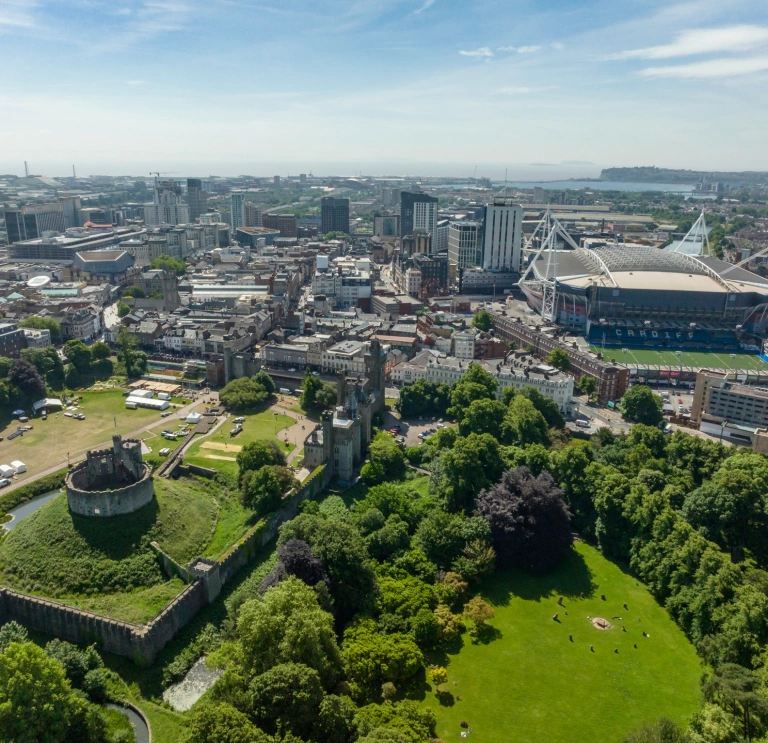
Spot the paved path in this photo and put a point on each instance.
(296, 433)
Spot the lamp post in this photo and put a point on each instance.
(275, 419)
(624, 351)
(679, 355)
(735, 371)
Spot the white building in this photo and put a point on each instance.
(464, 344)
(237, 209)
(347, 356)
(413, 281)
(37, 338)
(425, 217)
(464, 248)
(167, 207)
(503, 235)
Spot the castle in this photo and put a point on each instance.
(343, 436)
(110, 482)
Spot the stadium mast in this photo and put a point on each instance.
(697, 235)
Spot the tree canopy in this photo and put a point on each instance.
(43, 323)
(168, 263)
(558, 358)
(482, 320)
(641, 405)
(243, 394)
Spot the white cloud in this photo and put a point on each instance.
(16, 13)
(557, 45)
(483, 51)
(703, 41)
(520, 49)
(427, 4)
(713, 68)
(521, 90)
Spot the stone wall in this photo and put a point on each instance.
(105, 503)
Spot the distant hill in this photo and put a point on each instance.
(651, 174)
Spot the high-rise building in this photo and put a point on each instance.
(70, 206)
(503, 235)
(252, 215)
(464, 246)
(197, 199)
(408, 202)
(30, 222)
(440, 238)
(334, 215)
(386, 226)
(425, 217)
(286, 223)
(167, 206)
(237, 209)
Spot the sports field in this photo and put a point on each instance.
(545, 674)
(705, 359)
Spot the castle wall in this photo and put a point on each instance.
(105, 503)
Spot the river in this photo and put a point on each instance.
(26, 509)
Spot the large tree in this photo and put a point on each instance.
(26, 377)
(219, 722)
(243, 394)
(387, 461)
(483, 416)
(640, 405)
(529, 521)
(78, 354)
(43, 323)
(423, 398)
(168, 263)
(261, 490)
(476, 384)
(257, 454)
(46, 361)
(545, 405)
(523, 424)
(482, 320)
(558, 358)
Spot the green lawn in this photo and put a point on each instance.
(107, 565)
(219, 450)
(48, 443)
(531, 684)
(706, 359)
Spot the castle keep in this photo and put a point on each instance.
(110, 482)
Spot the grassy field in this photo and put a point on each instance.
(707, 359)
(529, 679)
(109, 567)
(49, 442)
(219, 450)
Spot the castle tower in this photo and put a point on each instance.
(374, 366)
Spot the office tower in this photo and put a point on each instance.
(503, 235)
(237, 209)
(387, 226)
(464, 247)
(252, 215)
(440, 238)
(408, 203)
(33, 220)
(70, 206)
(286, 223)
(425, 217)
(167, 206)
(197, 199)
(334, 215)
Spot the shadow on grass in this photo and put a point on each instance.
(485, 635)
(445, 698)
(124, 533)
(571, 579)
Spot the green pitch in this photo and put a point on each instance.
(535, 680)
(704, 359)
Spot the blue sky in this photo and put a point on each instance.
(556, 88)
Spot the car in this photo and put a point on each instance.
(441, 425)
(164, 431)
(679, 408)
(582, 423)
(165, 414)
(240, 419)
(680, 400)
(421, 417)
(23, 419)
(4, 481)
(44, 416)
(292, 369)
(315, 374)
(80, 417)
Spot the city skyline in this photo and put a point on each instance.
(332, 87)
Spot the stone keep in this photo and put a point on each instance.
(110, 482)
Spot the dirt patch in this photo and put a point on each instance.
(219, 446)
(216, 456)
(600, 623)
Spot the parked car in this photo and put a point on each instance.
(4, 482)
(166, 414)
(240, 419)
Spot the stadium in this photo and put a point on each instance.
(637, 297)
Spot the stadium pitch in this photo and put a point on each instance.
(697, 359)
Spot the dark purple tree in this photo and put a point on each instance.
(529, 520)
(26, 377)
(299, 560)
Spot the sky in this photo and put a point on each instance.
(540, 90)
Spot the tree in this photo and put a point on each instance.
(36, 702)
(529, 521)
(135, 292)
(168, 263)
(100, 350)
(385, 451)
(242, 394)
(310, 386)
(482, 320)
(440, 537)
(474, 463)
(12, 632)
(587, 385)
(287, 625)
(483, 416)
(545, 405)
(261, 490)
(265, 381)
(476, 384)
(371, 659)
(24, 376)
(342, 550)
(257, 454)
(738, 690)
(523, 424)
(395, 722)
(558, 358)
(78, 354)
(423, 398)
(123, 309)
(336, 720)
(46, 361)
(5, 365)
(325, 398)
(219, 722)
(298, 560)
(438, 674)
(135, 361)
(712, 724)
(43, 323)
(333, 235)
(72, 377)
(663, 731)
(640, 405)
(479, 611)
